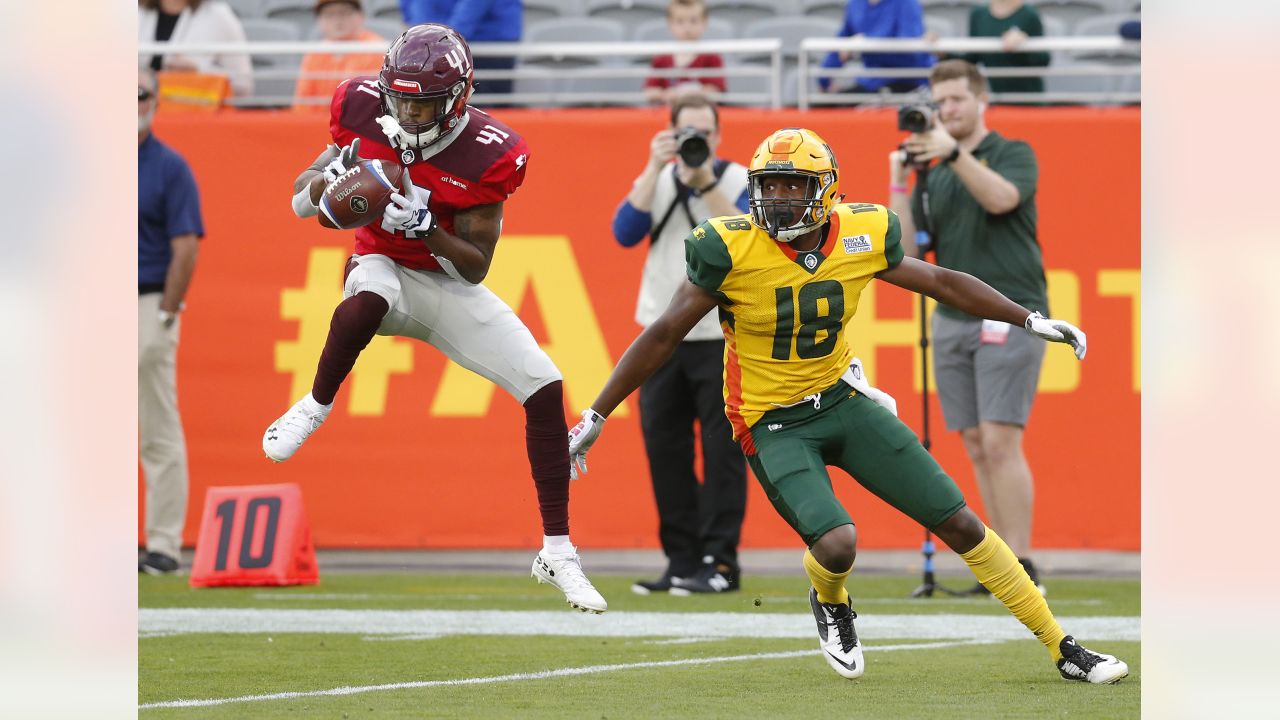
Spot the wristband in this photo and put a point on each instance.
(952, 157)
(897, 188)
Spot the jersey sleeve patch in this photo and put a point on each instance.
(707, 258)
(893, 241)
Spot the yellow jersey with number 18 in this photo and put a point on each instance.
(783, 311)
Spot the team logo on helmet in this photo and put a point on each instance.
(359, 204)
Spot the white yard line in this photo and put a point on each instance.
(439, 623)
(517, 677)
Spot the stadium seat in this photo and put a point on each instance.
(790, 30)
(656, 30)
(561, 30)
(954, 11)
(388, 28)
(1075, 83)
(629, 12)
(535, 11)
(830, 10)
(245, 9)
(1069, 11)
(942, 26)
(744, 12)
(1107, 25)
(275, 76)
(1055, 27)
(383, 10)
(632, 87)
(299, 12)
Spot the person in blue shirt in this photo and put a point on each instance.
(881, 19)
(169, 230)
(479, 21)
(699, 525)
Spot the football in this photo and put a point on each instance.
(359, 195)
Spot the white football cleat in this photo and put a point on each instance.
(287, 434)
(564, 570)
(1078, 663)
(836, 636)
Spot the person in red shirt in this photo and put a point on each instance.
(417, 274)
(687, 20)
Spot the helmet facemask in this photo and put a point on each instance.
(786, 219)
(422, 118)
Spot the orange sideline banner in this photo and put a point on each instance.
(419, 453)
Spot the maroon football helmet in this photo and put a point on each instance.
(426, 79)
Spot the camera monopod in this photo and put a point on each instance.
(924, 243)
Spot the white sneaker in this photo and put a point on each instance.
(564, 570)
(287, 434)
(836, 636)
(1078, 663)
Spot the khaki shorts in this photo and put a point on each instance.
(468, 323)
(984, 381)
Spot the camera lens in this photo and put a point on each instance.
(694, 150)
(914, 119)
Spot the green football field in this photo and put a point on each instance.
(486, 646)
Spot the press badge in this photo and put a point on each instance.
(995, 332)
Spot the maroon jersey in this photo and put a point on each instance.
(482, 163)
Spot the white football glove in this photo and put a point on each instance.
(347, 159)
(858, 379)
(409, 212)
(581, 437)
(1057, 331)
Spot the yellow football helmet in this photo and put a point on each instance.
(799, 153)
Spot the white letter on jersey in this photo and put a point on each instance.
(490, 134)
(369, 86)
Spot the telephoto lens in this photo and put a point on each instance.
(693, 148)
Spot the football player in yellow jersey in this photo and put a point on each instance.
(786, 279)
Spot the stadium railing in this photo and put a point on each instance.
(595, 73)
(1108, 58)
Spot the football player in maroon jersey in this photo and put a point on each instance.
(417, 274)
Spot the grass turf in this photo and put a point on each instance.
(1000, 680)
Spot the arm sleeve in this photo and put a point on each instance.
(1017, 164)
(507, 174)
(466, 16)
(630, 224)
(182, 202)
(707, 258)
(893, 241)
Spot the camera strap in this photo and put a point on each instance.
(683, 192)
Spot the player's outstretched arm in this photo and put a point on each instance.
(969, 294)
(328, 165)
(654, 346)
(647, 353)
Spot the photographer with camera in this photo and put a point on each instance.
(682, 185)
(975, 194)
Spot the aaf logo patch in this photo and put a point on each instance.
(856, 244)
(811, 261)
(407, 157)
(359, 204)
(699, 233)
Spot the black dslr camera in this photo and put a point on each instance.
(915, 118)
(692, 146)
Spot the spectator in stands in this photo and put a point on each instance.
(339, 21)
(1131, 30)
(687, 21)
(698, 526)
(982, 216)
(1013, 22)
(195, 21)
(169, 230)
(881, 19)
(479, 21)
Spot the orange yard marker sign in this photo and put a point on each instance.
(254, 535)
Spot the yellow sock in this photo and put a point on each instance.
(830, 586)
(999, 570)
